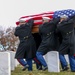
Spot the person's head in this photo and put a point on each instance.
(22, 21)
(63, 17)
(45, 19)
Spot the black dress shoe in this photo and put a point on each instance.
(65, 68)
(44, 68)
(40, 68)
(25, 67)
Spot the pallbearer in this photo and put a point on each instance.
(27, 47)
(47, 32)
(66, 28)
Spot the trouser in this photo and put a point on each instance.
(38, 64)
(71, 60)
(29, 62)
(24, 63)
(74, 56)
(41, 59)
(63, 61)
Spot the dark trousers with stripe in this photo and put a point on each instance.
(41, 58)
(63, 61)
(29, 62)
(38, 64)
(24, 63)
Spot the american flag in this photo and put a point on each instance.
(52, 14)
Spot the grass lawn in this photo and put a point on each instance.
(18, 71)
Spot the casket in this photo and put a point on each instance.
(52, 14)
(35, 29)
(37, 20)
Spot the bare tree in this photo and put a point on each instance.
(8, 38)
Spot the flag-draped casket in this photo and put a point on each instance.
(52, 14)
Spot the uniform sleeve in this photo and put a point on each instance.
(69, 21)
(56, 21)
(16, 33)
(57, 31)
(31, 22)
(40, 27)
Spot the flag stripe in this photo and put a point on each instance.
(38, 17)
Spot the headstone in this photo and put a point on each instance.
(52, 59)
(67, 58)
(12, 60)
(5, 68)
(16, 63)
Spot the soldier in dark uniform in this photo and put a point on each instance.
(59, 42)
(74, 38)
(66, 28)
(74, 35)
(48, 43)
(27, 47)
(73, 17)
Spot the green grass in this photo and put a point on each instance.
(18, 71)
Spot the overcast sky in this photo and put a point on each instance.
(11, 10)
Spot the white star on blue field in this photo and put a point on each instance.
(68, 12)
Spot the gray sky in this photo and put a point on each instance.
(11, 10)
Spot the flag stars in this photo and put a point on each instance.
(65, 11)
(70, 14)
(59, 12)
(58, 15)
(62, 13)
(73, 12)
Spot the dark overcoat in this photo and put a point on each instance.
(66, 29)
(47, 32)
(27, 46)
(74, 38)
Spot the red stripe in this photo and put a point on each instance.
(37, 14)
(37, 17)
(20, 62)
(35, 59)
